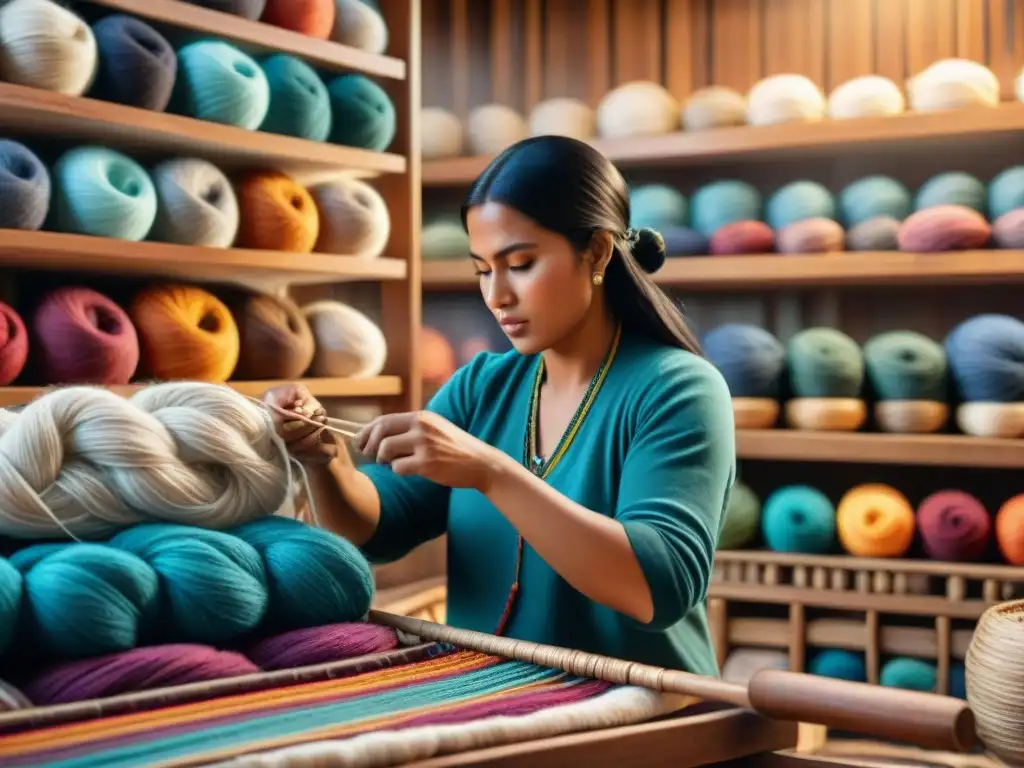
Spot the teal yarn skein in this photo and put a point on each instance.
(839, 664)
(1006, 192)
(11, 588)
(874, 197)
(906, 365)
(719, 203)
(952, 188)
(742, 518)
(912, 674)
(824, 362)
(219, 83)
(658, 207)
(798, 201)
(798, 518)
(299, 103)
(363, 114)
(103, 193)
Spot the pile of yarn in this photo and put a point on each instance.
(643, 108)
(123, 59)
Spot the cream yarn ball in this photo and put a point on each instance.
(494, 127)
(196, 204)
(867, 96)
(359, 25)
(45, 46)
(441, 134)
(743, 663)
(354, 219)
(563, 117)
(348, 343)
(444, 239)
(953, 84)
(714, 107)
(637, 108)
(785, 99)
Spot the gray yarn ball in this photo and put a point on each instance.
(877, 234)
(25, 187)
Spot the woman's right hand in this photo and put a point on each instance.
(306, 442)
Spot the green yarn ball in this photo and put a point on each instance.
(364, 115)
(742, 518)
(906, 365)
(299, 103)
(824, 362)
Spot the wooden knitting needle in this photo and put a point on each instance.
(348, 429)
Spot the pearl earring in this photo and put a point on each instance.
(598, 278)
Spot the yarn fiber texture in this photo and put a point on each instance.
(275, 340)
(751, 360)
(364, 115)
(321, 645)
(954, 526)
(824, 362)
(25, 187)
(218, 82)
(906, 365)
(353, 218)
(314, 18)
(137, 66)
(359, 24)
(986, 358)
(14, 345)
(43, 45)
(299, 103)
(875, 520)
(798, 518)
(196, 204)
(276, 214)
(348, 343)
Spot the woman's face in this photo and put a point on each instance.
(533, 281)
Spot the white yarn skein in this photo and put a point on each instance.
(953, 84)
(196, 204)
(441, 134)
(354, 219)
(45, 46)
(358, 25)
(348, 343)
(563, 117)
(637, 108)
(866, 96)
(84, 462)
(785, 99)
(492, 128)
(714, 107)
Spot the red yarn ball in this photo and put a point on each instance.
(954, 526)
(13, 345)
(742, 237)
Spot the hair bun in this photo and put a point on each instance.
(648, 248)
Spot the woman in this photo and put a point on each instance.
(582, 477)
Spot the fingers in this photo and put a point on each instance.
(396, 447)
(369, 438)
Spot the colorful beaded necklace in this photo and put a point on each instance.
(536, 464)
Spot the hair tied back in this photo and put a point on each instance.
(648, 248)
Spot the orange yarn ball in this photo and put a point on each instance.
(875, 520)
(276, 214)
(314, 18)
(1010, 530)
(185, 333)
(437, 357)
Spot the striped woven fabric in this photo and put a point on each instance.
(455, 686)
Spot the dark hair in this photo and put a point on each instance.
(568, 187)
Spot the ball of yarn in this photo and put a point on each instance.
(871, 197)
(299, 103)
(563, 117)
(742, 237)
(953, 84)
(24, 187)
(1006, 191)
(196, 204)
(743, 663)
(140, 669)
(986, 358)
(354, 219)
(1008, 230)
(906, 365)
(798, 518)
(878, 234)
(137, 66)
(637, 108)
(441, 134)
(490, 128)
(875, 520)
(866, 96)
(954, 526)
(359, 24)
(911, 674)
(683, 241)
(657, 206)
(277, 214)
(275, 340)
(43, 45)
(436, 357)
(82, 337)
(824, 362)
(313, 18)
(719, 203)
(322, 645)
(714, 107)
(315, 577)
(13, 345)
(952, 188)
(247, 9)
(742, 518)
(839, 664)
(103, 193)
(750, 359)
(1009, 530)
(444, 239)
(797, 201)
(944, 228)
(785, 99)
(348, 343)
(817, 235)
(185, 332)
(11, 588)
(219, 83)
(364, 115)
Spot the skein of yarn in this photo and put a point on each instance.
(875, 520)
(321, 645)
(348, 343)
(277, 214)
(196, 204)
(14, 345)
(785, 99)
(359, 24)
(637, 108)
(219, 83)
(752, 362)
(275, 340)
(299, 103)
(954, 526)
(43, 45)
(25, 187)
(866, 96)
(354, 219)
(364, 115)
(314, 18)
(137, 66)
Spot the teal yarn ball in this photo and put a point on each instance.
(911, 674)
(953, 188)
(906, 365)
(799, 519)
(10, 603)
(363, 114)
(742, 518)
(658, 207)
(314, 576)
(103, 193)
(958, 681)
(798, 201)
(1006, 192)
(213, 586)
(839, 664)
(719, 203)
(874, 197)
(219, 83)
(824, 362)
(299, 103)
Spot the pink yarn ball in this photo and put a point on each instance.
(954, 526)
(13, 345)
(816, 235)
(1008, 230)
(944, 228)
(742, 237)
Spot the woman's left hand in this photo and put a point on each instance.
(426, 444)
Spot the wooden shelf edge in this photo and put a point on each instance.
(850, 562)
(256, 34)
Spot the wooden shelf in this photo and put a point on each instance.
(259, 37)
(38, 113)
(773, 142)
(763, 271)
(867, 448)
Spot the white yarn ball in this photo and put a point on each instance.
(45, 46)
(441, 134)
(785, 99)
(359, 25)
(196, 204)
(953, 84)
(83, 462)
(637, 108)
(494, 127)
(444, 239)
(348, 343)
(563, 117)
(867, 96)
(743, 663)
(714, 107)
(354, 219)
